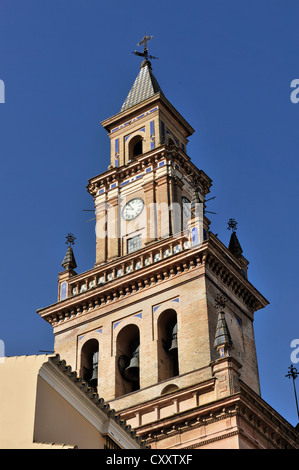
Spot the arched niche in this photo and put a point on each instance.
(169, 389)
(89, 362)
(168, 363)
(127, 373)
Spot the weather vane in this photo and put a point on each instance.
(293, 373)
(70, 239)
(143, 43)
(232, 225)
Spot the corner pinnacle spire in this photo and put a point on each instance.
(234, 244)
(223, 342)
(69, 262)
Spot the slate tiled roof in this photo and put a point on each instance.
(144, 87)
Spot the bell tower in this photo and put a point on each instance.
(162, 325)
(139, 199)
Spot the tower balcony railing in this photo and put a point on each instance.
(155, 263)
(133, 262)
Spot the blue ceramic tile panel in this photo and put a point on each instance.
(63, 291)
(195, 238)
(152, 130)
(139, 315)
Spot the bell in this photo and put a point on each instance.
(132, 371)
(174, 343)
(94, 378)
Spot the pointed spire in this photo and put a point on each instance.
(234, 244)
(69, 262)
(223, 342)
(145, 86)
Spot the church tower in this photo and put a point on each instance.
(162, 325)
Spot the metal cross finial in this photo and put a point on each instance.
(70, 239)
(232, 225)
(220, 301)
(294, 373)
(143, 43)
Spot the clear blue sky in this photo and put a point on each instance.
(227, 67)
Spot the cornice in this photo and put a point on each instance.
(209, 256)
(248, 407)
(169, 152)
(124, 115)
(223, 264)
(272, 420)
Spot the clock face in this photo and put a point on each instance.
(186, 205)
(133, 208)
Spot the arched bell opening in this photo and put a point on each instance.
(89, 362)
(127, 376)
(168, 363)
(135, 147)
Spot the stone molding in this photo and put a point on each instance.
(207, 255)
